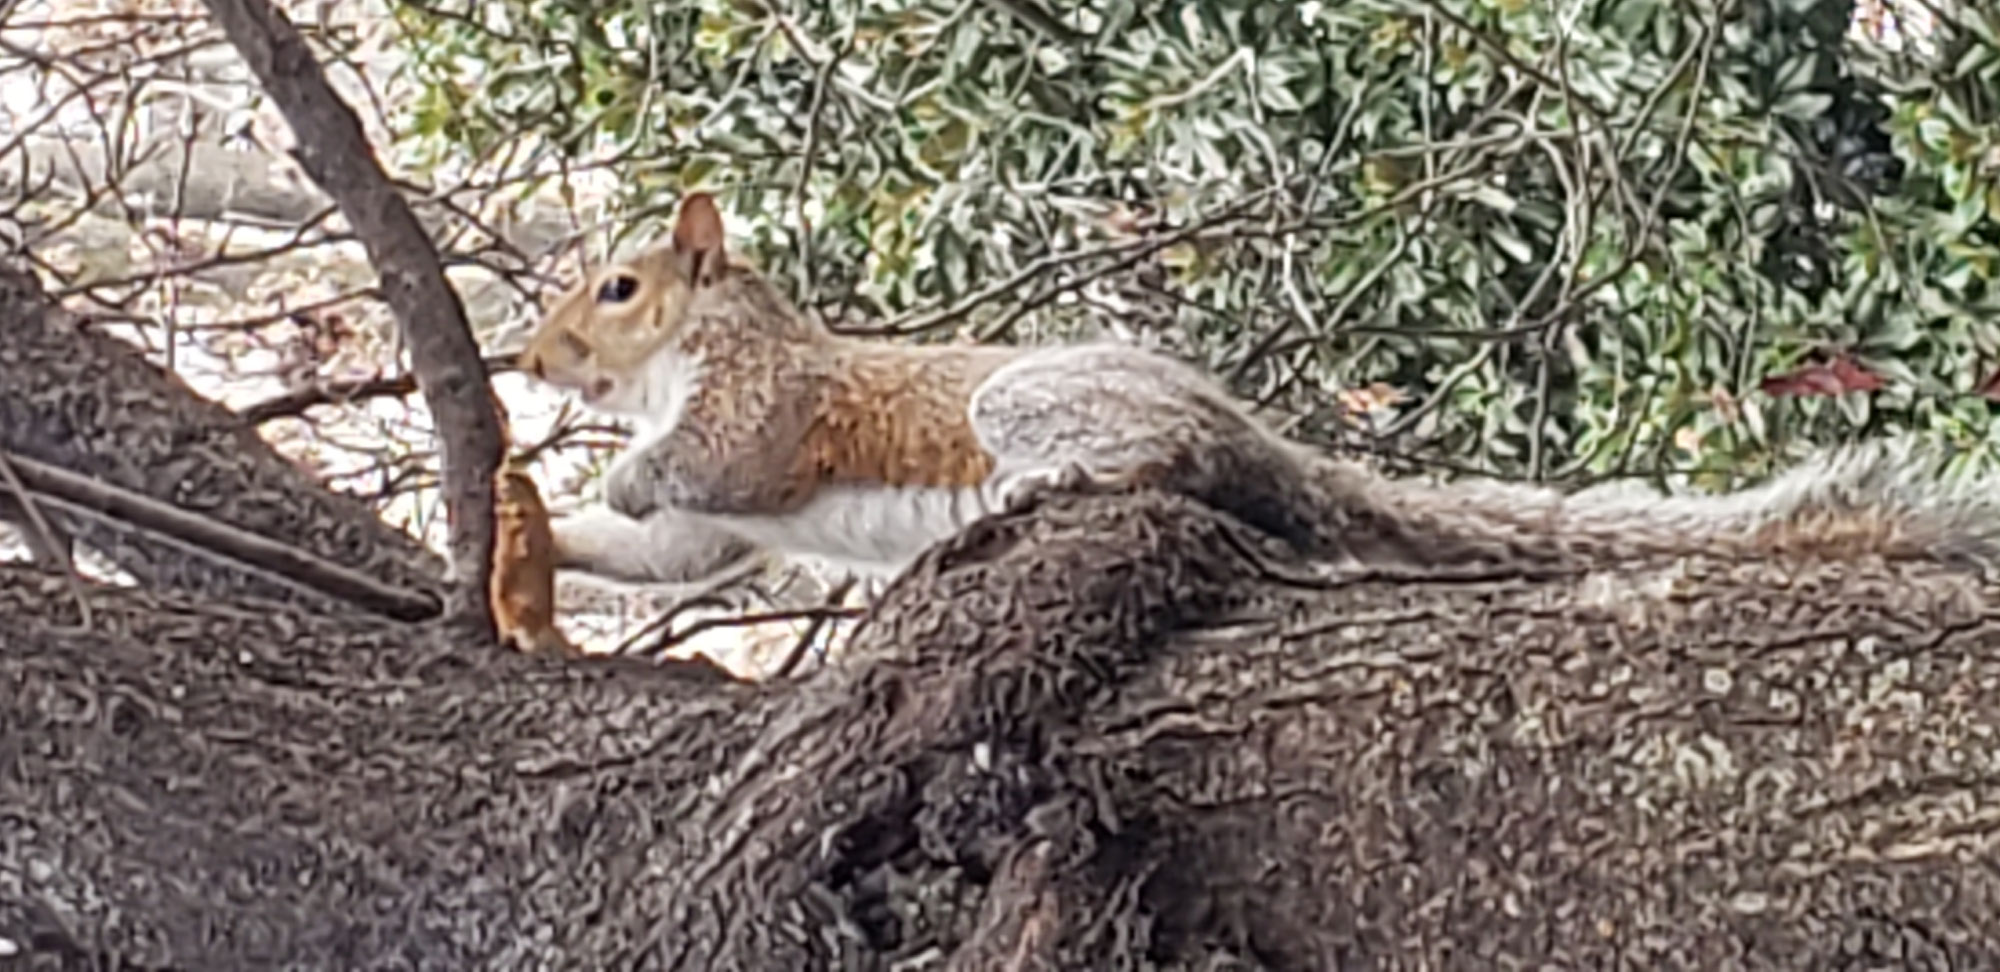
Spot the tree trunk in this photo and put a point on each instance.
(1111, 732)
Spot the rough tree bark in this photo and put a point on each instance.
(1111, 732)
(1094, 737)
(91, 404)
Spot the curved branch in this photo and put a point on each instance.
(1091, 735)
(334, 151)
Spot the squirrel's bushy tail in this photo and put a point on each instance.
(1887, 499)
(1891, 498)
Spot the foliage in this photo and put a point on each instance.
(1549, 239)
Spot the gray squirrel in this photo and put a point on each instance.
(761, 431)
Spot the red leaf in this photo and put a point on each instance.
(1853, 377)
(1836, 377)
(1990, 388)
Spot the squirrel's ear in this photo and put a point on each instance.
(698, 238)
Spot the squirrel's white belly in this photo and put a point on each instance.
(867, 529)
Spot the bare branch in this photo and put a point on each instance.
(87, 496)
(1032, 16)
(335, 152)
(295, 402)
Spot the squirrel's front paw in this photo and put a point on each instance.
(627, 492)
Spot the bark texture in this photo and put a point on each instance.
(94, 405)
(1109, 733)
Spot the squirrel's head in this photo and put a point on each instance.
(598, 336)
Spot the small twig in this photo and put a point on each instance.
(803, 190)
(1498, 49)
(1443, 391)
(559, 430)
(203, 535)
(1131, 251)
(1030, 14)
(1132, 259)
(798, 652)
(46, 535)
(708, 590)
(820, 614)
(294, 403)
(1270, 343)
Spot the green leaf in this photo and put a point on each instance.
(1803, 105)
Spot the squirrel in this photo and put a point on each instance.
(759, 429)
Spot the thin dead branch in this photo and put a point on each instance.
(295, 402)
(201, 535)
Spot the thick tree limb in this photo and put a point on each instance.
(94, 406)
(1095, 735)
(334, 151)
(208, 537)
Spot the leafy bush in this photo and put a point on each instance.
(1550, 240)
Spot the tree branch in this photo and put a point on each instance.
(335, 152)
(1095, 734)
(87, 496)
(92, 404)
(294, 403)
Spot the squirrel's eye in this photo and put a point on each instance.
(618, 289)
